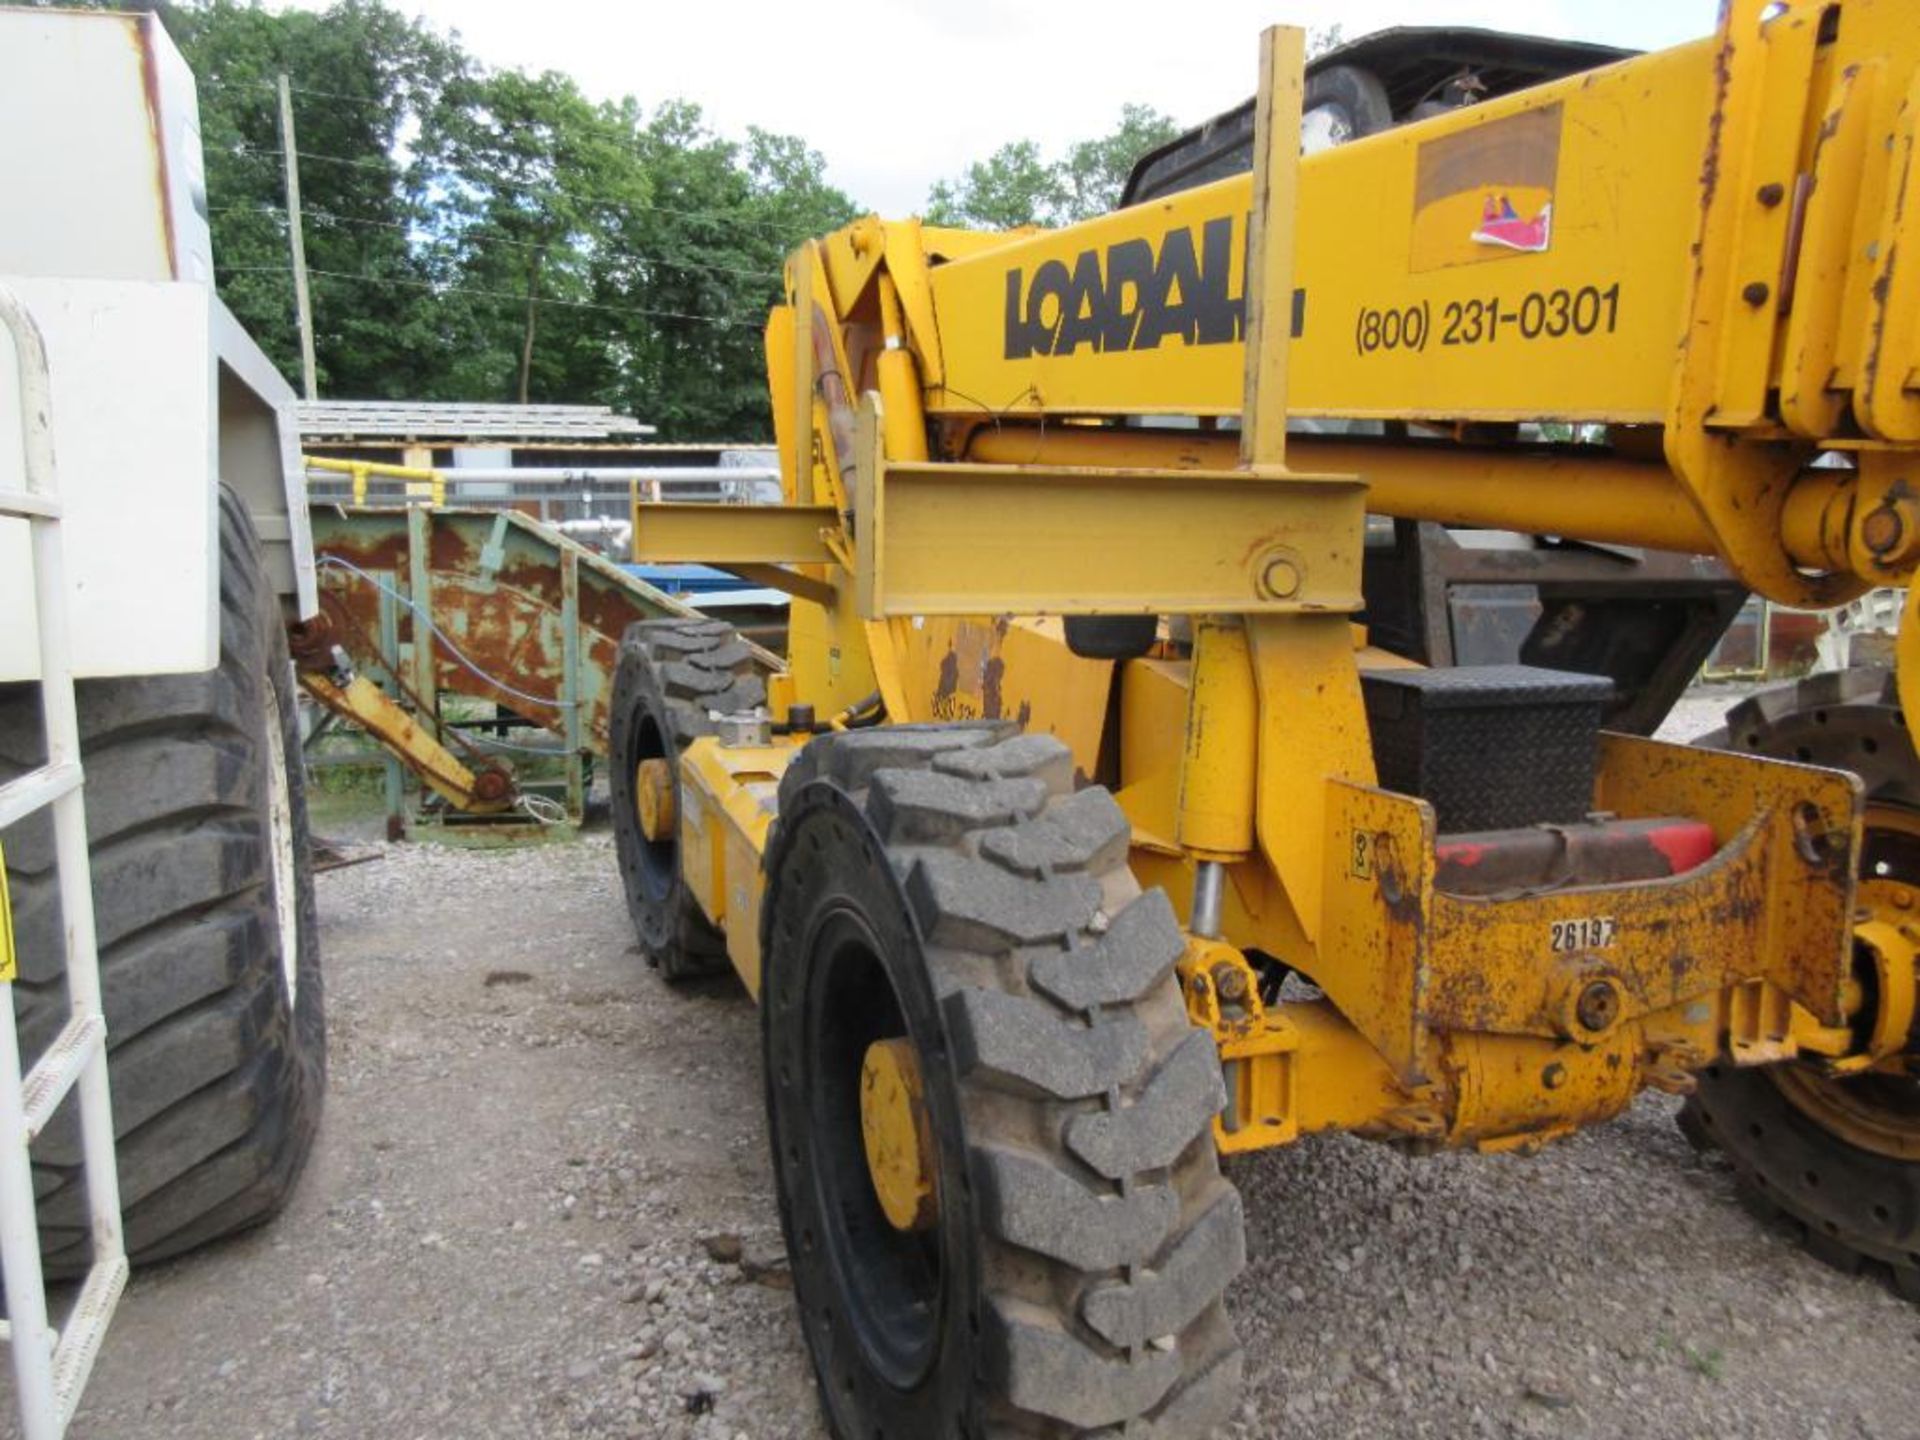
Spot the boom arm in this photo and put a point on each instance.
(1694, 248)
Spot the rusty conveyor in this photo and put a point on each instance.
(519, 614)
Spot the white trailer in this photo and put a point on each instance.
(186, 552)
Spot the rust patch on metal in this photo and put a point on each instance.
(949, 683)
(507, 624)
(990, 678)
(311, 642)
(150, 93)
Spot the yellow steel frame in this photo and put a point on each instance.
(959, 423)
(735, 534)
(970, 539)
(359, 700)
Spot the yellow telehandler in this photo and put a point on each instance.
(1099, 826)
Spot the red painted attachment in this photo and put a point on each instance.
(1555, 857)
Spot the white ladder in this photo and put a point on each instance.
(50, 1367)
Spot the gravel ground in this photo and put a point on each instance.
(540, 1207)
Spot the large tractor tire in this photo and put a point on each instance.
(1345, 103)
(1042, 1246)
(1837, 1160)
(672, 677)
(209, 962)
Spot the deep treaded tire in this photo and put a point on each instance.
(672, 675)
(947, 884)
(209, 963)
(1850, 1205)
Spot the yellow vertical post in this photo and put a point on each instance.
(1269, 290)
(422, 484)
(1220, 768)
(803, 376)
(1312, 722)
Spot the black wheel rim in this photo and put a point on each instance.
(891, 1283)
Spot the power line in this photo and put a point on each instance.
(595, 121)
(370, 100)
(439, 240)
(520, 297)
(527, 186)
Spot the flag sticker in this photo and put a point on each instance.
(1500, 224)
(1486, 192)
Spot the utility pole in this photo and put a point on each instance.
(533, 309)
(302, 302)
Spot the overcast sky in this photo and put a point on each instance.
(899, 93)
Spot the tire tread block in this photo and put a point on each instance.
(1139, 947)
(1026, 1040)
(678, 636)
(1151, 1133)
(1087, 831)
(1192, 1274)
(1048, 1371)
(968, 904)
(1202, 1403)
(849, 758)
(1028, 1202)
(730, 654)
(683, 680)
(910, 806)
(1041, 757)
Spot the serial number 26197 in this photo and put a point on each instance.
(1594, 932)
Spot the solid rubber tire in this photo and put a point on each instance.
(671, 677)
(1851, 1207)
(1085, 1235)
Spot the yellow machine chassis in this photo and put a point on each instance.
(959, 418)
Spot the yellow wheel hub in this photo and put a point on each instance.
(653, 798)
(899, 1138)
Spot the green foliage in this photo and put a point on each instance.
(1095, 171)
(476, 234)
(1323, 38)
(363, 72)
(450, 211)
(1013, 186)
(1017, 185)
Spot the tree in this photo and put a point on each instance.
(512, 173)
(360, 72)
(1323, 38)
(1017, 185)
(1095, 171)
(475, 234)
(1013, 186)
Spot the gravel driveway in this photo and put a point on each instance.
(540, 1207)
